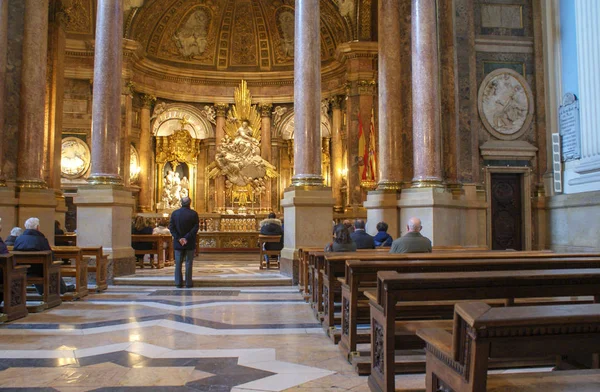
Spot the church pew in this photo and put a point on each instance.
(70, 239)
(460, 360)
(99, 266)
(388, 334)
(157, 249)
(170, 250)
(303, 280)
(334, 264)
(13, 286)
(50, 276)
(79, 271)
(362, 275)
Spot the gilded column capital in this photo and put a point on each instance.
(148, 100)
(366, 87)
(266, 109)
(221, 109)
(336, 102)
(128, 88)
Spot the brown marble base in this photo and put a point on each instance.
(120, 267)
(290, 268)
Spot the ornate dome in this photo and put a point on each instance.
(229, 35)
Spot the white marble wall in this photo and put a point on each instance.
(573, 224)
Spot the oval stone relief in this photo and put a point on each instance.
(505, 104)
(74, 157)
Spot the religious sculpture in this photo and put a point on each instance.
(238, 157)
(174, 189)
(191, 38)
(286, 25)
(74, 158)
(505, 104)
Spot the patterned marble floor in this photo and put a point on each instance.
(167, 339)
(214, 269)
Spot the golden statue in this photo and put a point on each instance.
(238, 157)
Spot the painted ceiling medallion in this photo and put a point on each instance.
(505, 104)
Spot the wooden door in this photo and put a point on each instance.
(507, 211)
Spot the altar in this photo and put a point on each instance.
(226, 232)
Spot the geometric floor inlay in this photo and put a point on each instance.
(205, 370)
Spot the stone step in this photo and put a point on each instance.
(204, 281)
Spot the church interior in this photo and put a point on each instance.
(473, 123)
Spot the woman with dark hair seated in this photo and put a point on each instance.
(141, 226)
(382, 238)
(342, 241)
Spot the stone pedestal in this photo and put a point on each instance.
(61, 209)
(307, 222)
(382, 206)
(104, 218)
(8, 209)
(447, 219)
(38, 203)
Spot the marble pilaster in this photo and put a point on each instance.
(104, 208)
(146, 176)
(426, 95)
(337, 153)
(221, 117)
(3, 61)
(266, 110)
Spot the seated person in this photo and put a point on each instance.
(141, 226)
(162, 228)
(14, 233)
(33, 240)
(348, 225)
(382, 238)
(272, 226)
(3, 251)
(362, 239)
(59, 231)
(412, 241)
(342, 241)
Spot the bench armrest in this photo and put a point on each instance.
(438, 338)
(371, 295)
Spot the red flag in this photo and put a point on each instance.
(372, 163)
(363, 151)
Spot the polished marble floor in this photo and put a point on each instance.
(167, 339)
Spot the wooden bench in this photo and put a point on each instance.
(79, 270)
(362, 275)
(169, 251)
(14, 288)
(394, 288)
(70, 239)
(49, 278)
(99, 266)
(334, 269)
(303, 279)
(265, 239)
(157, 248)
(460, 360)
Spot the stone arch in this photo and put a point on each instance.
(285, 128)
(167, 118)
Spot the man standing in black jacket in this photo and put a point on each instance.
(184, 227)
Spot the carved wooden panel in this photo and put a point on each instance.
(507, 219)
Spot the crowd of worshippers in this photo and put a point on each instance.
(32, 240)
(349, 237)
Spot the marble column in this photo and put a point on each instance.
(104, 207)
(265, 151)
(3, 60)
(307, 95)
(127, 122)
(221, 116)
(33, 87)
(106, 107)
(337, 153)
(381, 204)
(426, 95)
(307, 199)
(584, 175)
(146, 175)
(34, 199)
(55, 83)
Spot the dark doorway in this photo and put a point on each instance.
(507, 211)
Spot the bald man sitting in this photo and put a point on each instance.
(413, 241)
